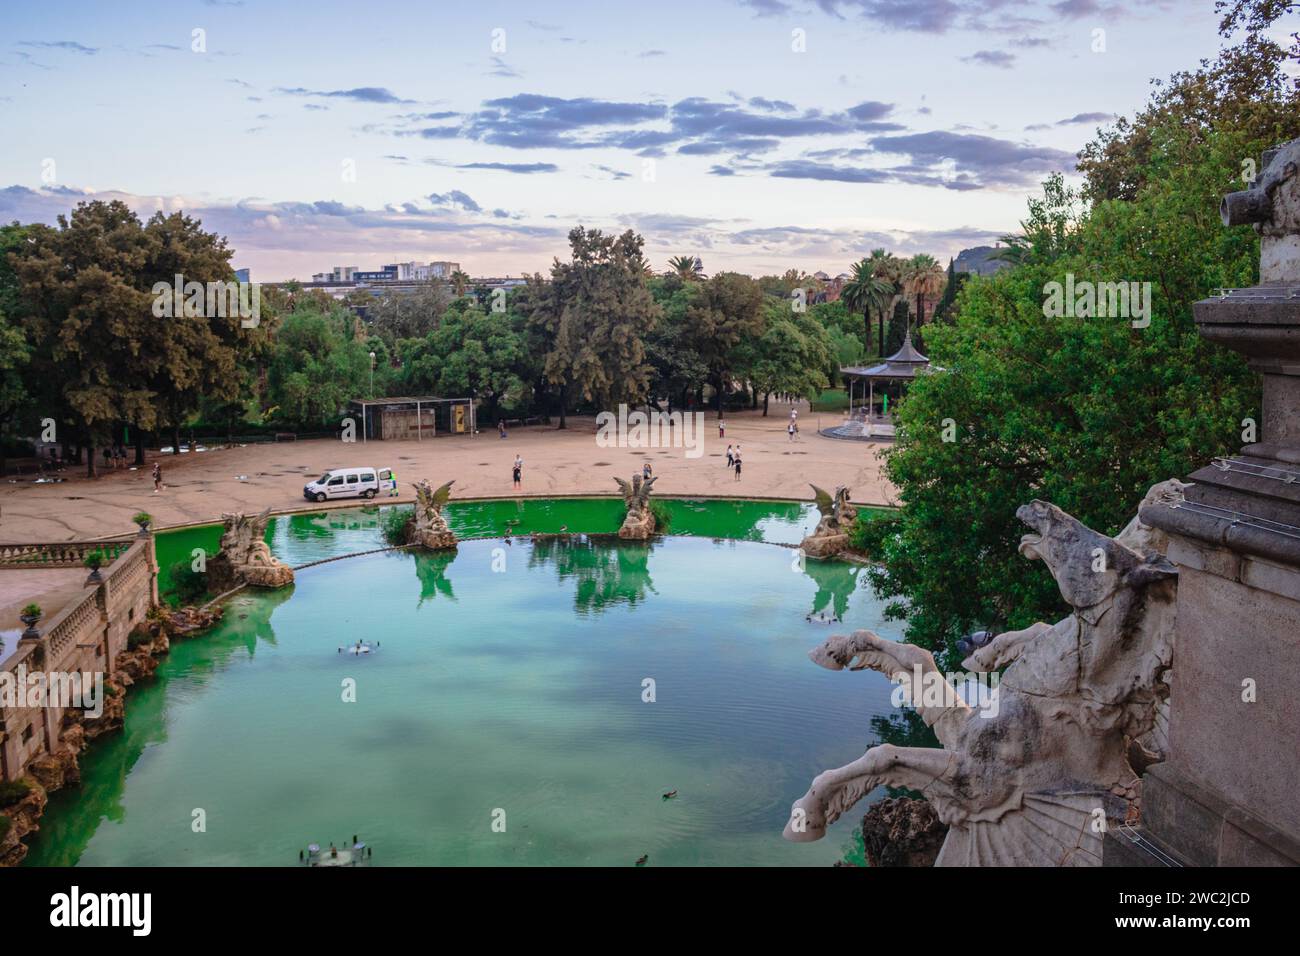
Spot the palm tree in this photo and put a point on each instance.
(923, 278)
(866, 291)
(687, 268)
(890, 268)
(459, 282)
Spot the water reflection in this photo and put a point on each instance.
(604, 571)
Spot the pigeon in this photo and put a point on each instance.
(670, 794)
(973, 642)
(641, 861)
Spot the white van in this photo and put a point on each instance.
(345, 483)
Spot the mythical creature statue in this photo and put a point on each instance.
(1035, 772)
(832, 533)
(244, 557)
(640, 521)
(431, 529)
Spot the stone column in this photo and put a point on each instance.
(1229, 791)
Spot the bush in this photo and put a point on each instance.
(869, 531)
(188, 586)
(33, 610)
(13, 791)
(396, 525)
(663, 516)
(94, 560)
(142, 517)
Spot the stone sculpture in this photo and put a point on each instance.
(639, 523)
(430, 530)
(244, 557)
(1034, 773)
(832, 533)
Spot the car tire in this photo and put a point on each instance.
(320, 496)
(368, 493)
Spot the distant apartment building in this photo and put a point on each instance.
(392, 272)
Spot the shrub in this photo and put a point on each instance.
(142, 517)
(188, 586)
(396, 525)
(663, 516)
(94, 560)
(33, 610)
(13, 791)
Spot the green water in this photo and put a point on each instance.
(509, 677)
(300, 538)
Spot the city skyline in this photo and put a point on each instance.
(760, 136)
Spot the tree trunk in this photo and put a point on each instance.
(176, 439)
(882, 333)
(139, 447)
(866, 322)
(717, 397)
(564, 401)
(90, 461)
(766, 396)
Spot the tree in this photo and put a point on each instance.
(471, 353)
(318, 365)
(15, 353)
(408, 315)
(595, 314)
(923, 278)
(687, 268)
(792, 356)
(866, 292)
(1086, 412)
(889, 268)
(724, 312)
(459, 282)
(89, 319)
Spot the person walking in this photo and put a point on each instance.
(501, 428)
(722, 429)
(790, 429)
(392, 489)
(731, 458)
(157, 477)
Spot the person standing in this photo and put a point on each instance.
(731, 457)
(518, 471)
(646, 471)
(392, 488)
(722, 429)
(501, 428)
(157, 477)
(738, 468)
(790, 429)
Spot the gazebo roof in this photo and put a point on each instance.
(905, 363)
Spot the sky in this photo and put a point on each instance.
(760, 135)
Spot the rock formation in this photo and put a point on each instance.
(639, 523)
(1036, 773)
(900, 831)
(430, 529)
(244, 558)
(831, 535)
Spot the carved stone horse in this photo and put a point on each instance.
(1035, 775)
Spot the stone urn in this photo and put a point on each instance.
(30, 616)
(143, 520)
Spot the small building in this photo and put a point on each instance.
(413, 418)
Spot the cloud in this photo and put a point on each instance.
(986, 159)
(361, 94)
(501, 68)
(613, 173)
(648, 53)
(70, 45)
(1082, 118)
(999, 58)
(767, 8)
(522, 168)
(455, 198)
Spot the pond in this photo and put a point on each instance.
(503, 717)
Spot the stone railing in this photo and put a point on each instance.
(68, 554)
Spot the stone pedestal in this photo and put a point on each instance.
(824, 546)
(1229, 792)
(638, 527)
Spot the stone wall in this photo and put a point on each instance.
(86, 636)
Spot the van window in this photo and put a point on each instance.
(369, 476)
(323, 478)
(336, 481)
(385, 474)
(352, 479)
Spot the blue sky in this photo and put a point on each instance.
(323, 133)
